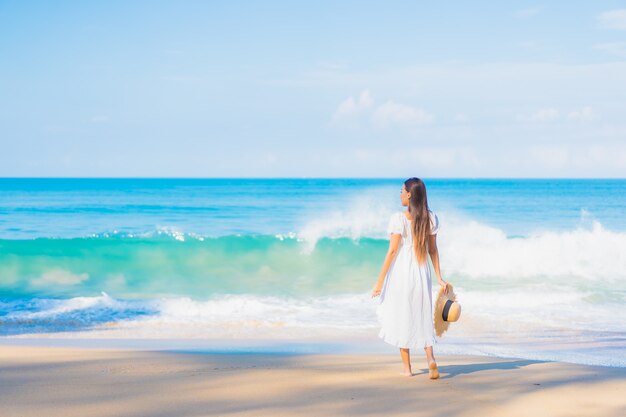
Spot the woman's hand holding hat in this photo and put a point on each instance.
(444, 285)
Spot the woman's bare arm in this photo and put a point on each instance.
(434, 256)
(394, 243)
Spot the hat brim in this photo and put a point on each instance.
(441, 326)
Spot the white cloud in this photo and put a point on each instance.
(613, 48)
(584, 115)
(556, 94)
(387, 114)
(60, 277)
(540, 116)
(351, 107)
(614, 19)
(396, 113)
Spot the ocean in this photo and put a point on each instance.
(539, 266)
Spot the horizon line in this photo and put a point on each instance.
(311, 177)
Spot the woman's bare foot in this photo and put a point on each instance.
(433, 372)
(406, 373)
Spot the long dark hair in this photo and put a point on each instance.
(418, 208)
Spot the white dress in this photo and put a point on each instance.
(405, 309)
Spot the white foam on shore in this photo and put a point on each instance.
(516, 323)
(514, 310)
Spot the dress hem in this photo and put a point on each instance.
(396, 342)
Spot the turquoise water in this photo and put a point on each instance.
(277, 258)
(163, 265)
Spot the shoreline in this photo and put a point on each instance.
(363, 345)
(103, 382)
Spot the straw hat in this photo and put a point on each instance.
(446, 310)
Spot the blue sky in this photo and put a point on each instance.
(316, 89)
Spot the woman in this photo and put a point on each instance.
(404, 283)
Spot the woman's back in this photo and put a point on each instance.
(399, 223)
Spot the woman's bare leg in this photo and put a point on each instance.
(430, 356)
(433, 372)
(406, 361)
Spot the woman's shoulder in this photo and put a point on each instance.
(395, 223)
(434, 221)
(401, 216)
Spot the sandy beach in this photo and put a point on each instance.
(61, 381)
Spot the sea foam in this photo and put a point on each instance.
(515, 323)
